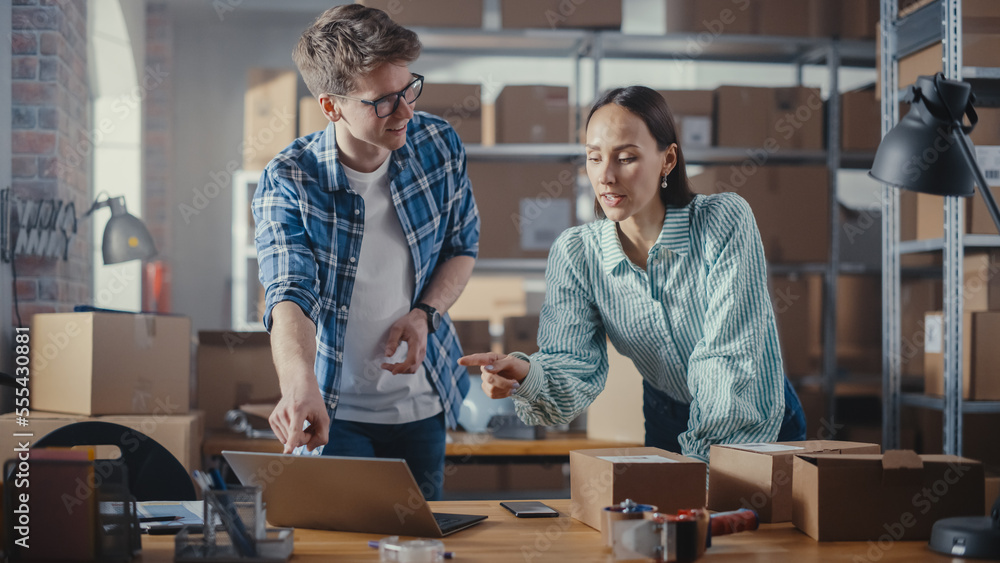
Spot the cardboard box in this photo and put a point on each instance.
(980, 355)
(692, 111)
(532, 114)
(981, 281)
(520, 334)
(269, 123)
(875, 497)
(234, 368)
(789, 18)
(560, 14)
(769, 118)
(992, 491)
(475, 338)
(460, 104)
(928, 216)
(110, 363)
(616, 414)
(798, 310)
(180, 434)
(861, 120)
(859, 339)
(525, 206)
(713, 16)
(795, 299)
(431, 13)
(759, 476)
(848, 19)
(803, 236)
(980, 440)
(855, 19)
(980, 48)
(490, 297)
(604, 477)
(916, 297)
(311, 118)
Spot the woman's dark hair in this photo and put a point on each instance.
(650, 106)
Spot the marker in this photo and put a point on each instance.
(447, 554)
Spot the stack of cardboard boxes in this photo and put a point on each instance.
(830, 490)
(850, 19)
(980, 355)
(129, 369)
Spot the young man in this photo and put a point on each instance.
(366, 234)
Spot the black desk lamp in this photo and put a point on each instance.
(125, 237)
(916, 155)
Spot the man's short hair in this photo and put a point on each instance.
(347, 42)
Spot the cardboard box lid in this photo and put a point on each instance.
(634, 452)
(807, 446)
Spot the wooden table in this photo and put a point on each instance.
(505, 538)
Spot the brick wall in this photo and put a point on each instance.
(158, 156)
(50, 142)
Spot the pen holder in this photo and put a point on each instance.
(240, 511)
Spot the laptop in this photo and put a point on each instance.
(346, 494)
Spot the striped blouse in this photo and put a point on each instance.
(697, 323)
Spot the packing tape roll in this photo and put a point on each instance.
(627, 510)
(393, 550)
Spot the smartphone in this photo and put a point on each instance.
(530, 509)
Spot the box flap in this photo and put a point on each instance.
(902, 467)
(642, 451)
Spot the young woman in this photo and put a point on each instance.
(676, 281)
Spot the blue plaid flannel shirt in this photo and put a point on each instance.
(309, 225)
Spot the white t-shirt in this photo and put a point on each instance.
(383, 290)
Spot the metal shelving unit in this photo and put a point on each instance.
(599, 46)
(939, 21)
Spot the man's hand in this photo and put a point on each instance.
(412, 329)
(292, 412)
(502, 374)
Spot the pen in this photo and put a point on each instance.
(447, 554)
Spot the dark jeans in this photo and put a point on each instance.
(420, 443)
(666, 418)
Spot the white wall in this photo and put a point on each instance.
(116, 42)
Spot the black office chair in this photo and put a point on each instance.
(153, 472)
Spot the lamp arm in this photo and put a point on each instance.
(970, 158)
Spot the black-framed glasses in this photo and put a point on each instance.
(389, 103)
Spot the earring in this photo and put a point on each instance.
(663, 184)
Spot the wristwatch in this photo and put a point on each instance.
(433, 317)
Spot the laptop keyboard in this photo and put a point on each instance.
(446, 521)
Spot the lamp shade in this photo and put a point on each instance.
(919, 153)
(125, 237)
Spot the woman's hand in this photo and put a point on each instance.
(502, 374)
